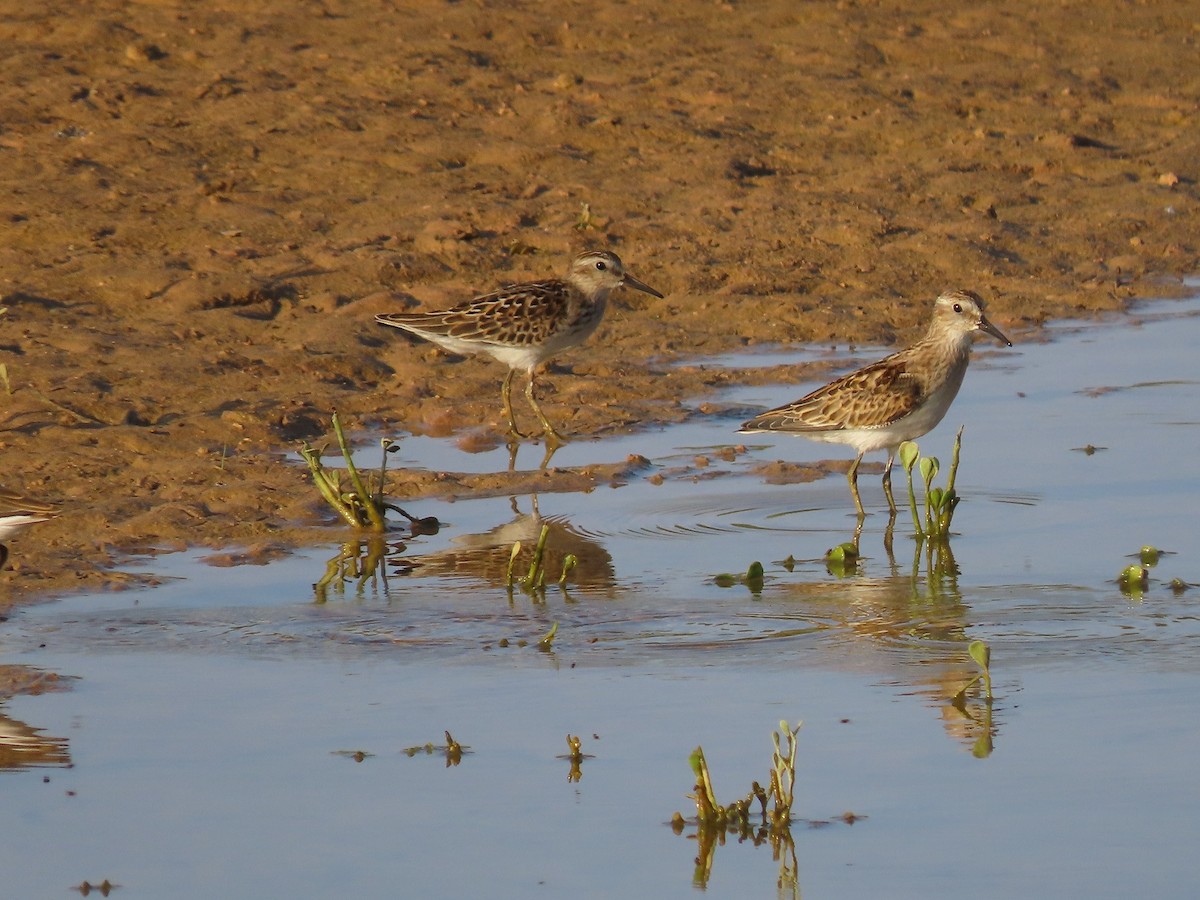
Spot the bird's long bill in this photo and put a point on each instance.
(989, 328)
(630, 281)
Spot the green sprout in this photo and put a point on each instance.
(940, 503)
(773, 826)
(751, 578)
(783, 773)
(575, 756)
(452, 750)
(1134, 580)
(782, 780)
(842, 560)
(356, 755)
(547, 641)
(361, 506)
(358, 507)
(534, 580)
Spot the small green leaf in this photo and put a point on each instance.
(1149, 555)
(753, 578)
(512, 559)
(929, 468)
(842, 554)
(909, 451)
(570, 561)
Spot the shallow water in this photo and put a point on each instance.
(205, 726)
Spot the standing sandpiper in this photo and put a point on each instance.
(894, 400)
(524, 325)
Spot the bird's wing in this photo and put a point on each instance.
(871, 397)
(520, 314)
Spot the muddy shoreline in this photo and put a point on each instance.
(204, 209)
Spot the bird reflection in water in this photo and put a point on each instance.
(487, 557)
(22, 746)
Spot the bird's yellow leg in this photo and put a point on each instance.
(852, 477)
(506, 396)
(553, 438)
(887, 483)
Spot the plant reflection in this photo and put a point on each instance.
(714, 821)
(357, 564)
(916, 605)
(783, 851)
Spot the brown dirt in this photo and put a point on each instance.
(204, 207)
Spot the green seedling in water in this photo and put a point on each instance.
(359, 506)
(534, 580)
(547, 641)
(715, 821)
(751, 578)
(575, 745)
(781, 793)
(842, 560)
(570, 561)
(104, 888)
(575, 756)
(356, 755)
(783, 773)
(452, 749)
(536, 577)
(1134, 580)
(939, 502)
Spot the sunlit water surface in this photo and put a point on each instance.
(206, 747)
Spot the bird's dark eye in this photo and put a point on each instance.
(958, 307)
(601, 265)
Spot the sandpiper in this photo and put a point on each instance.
(524, 325)
(894, 400)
